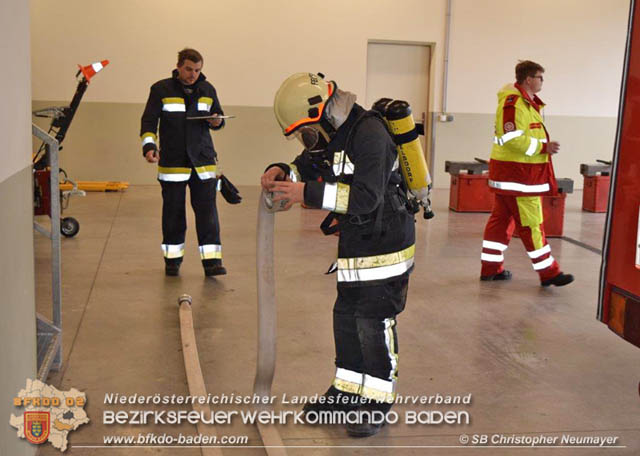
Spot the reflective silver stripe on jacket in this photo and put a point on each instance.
(148, 138)
(533, 146)
(516, 187)
(174, 107)
(173, 104)
(375, 267)
(336, 197)
(507, 137)
(204, 103)
(294, 174)
(342, 164)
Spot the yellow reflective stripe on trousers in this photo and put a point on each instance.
(348, 381)
(536, 236)
(173, 250)
(517, 187)
(206, 172)
(170, 174)
(336, 198)
(375, 267)
(530, 211)
(148, 138)
(531, 215)
(210, 251)
(173, 104)
(378, 389)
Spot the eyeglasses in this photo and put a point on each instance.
(539, 77)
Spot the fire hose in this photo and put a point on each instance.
(267, 313)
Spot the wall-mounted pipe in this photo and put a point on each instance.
(444, 116)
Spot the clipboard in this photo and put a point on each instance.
(209, 117)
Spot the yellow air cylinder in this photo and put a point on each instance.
(397, 114)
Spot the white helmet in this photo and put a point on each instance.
(301, 100)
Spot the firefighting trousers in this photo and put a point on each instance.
(174, 219)
(526, 212)
(366, 339)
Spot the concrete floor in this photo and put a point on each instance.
(535, 360)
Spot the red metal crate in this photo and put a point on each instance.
(470, 193)
(595, 194)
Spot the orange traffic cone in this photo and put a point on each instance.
(90, 70)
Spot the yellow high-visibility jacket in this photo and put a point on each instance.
(520, 164)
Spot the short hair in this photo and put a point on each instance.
(527, 68)
(189, 54)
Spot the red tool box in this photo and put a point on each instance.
(595, 194)
(469, 191)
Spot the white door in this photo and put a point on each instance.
(400, 71)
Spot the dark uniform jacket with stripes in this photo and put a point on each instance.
(361, 182)
(184, 143)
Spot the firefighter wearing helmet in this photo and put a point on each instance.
(352, 151)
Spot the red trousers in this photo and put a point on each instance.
(526, 212)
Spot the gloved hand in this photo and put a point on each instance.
(229, 191)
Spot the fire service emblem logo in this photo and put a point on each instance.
(36, 426)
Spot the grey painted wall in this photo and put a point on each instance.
(17, 304)
(17, 325)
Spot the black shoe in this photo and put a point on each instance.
(364, 428)
(333, 400)
(172, 269)
(559, 281)
(214, 270)
(504, 275)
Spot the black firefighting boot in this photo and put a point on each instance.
(172, 267)
(213, 268)
(559, 281)
(333, 400)
(372, 419)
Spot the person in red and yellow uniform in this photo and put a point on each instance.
(520, 173)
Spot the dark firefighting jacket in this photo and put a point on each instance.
(362, 186)
(184, 144)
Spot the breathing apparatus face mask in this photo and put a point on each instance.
(312, 137)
